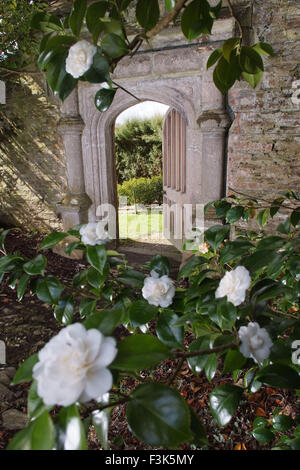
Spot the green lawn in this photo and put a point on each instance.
(140, 225)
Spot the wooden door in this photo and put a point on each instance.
(174, 176)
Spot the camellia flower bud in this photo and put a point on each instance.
(256, 342)
(234, 284)
(158, 291)
(94, 233)
(73, 366)
(80, 58)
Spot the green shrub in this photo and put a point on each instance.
(138, 149)
(142, 190)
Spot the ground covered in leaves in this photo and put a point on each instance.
(26, 327)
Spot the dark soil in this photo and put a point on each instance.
(26, 327)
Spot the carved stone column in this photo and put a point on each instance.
(75, 204)
(214, 122)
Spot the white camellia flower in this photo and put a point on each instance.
(256, 342)
(158, 291)
(73, 366)
(94, 233)
(80, 58)
(234, 284)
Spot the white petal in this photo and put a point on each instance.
(107, 352)
(98, 382)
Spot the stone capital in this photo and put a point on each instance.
(214, 121)
(70, 125)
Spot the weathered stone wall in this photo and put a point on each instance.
(32, 171)
(264, 142)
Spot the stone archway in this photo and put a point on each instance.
(174, 77)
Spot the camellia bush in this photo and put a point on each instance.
(88, 43)
(239, 311)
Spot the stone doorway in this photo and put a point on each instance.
(177, 78)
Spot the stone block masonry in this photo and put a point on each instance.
(32, 169)
(264, 140)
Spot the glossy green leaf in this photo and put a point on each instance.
(105, 320)
(77, 16)
(38, 435)
(132, 278)
(49, 289)
(147, 13)
(273, 242)
(284, 227)
(95, 278)
(197, 363)
(224, 400)
(279, 375)
(104, 98)
(94, 12)
(4, 234)
(263, 435)
(167, 332)
(215, 235)
(9, 263)
(228, 46)
(87, 307)
(196, 19)
(214, 57)
(160, 264)
(36, 266)
(100, 421)
(96, 256)
(170, 4)
(198, 430)
(250, 61)
(234, 250)
(35, 405)
(22, 286)
(64, 311)
(253, 79)
(46, 22)
(282, 423)
(70, 433)
(99, 71)
(295, 217)
(264, 48)
(233, 360)
(140, 352)
(141, 312)
(114, 46)
(259, 259)
(24, 372)
(211, 366)
(225, 74)
(191, 265)
(159, 416)
(234, 214)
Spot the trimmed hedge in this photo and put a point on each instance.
(138, 149)
(142, 190)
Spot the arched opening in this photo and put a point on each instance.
(138, 153)
(88, 137)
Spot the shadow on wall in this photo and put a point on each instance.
(32, 170)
